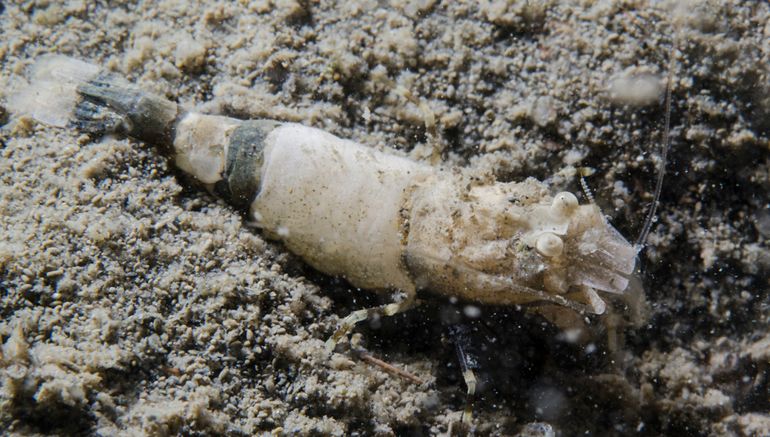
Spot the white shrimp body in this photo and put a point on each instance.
(337, 204)
(386, 222)
(381, 221)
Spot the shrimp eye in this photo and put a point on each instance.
(549, 245)
(564, 204)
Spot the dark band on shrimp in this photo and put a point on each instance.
(241, 179)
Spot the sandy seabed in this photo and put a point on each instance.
(134, 303)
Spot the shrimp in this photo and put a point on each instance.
(380, 221)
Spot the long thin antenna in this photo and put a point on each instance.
(663, 156)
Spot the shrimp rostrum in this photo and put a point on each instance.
(382, 222)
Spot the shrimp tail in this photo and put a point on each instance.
(68, 92)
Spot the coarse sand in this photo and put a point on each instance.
(134, 303)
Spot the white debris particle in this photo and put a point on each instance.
(543, 111)
(189, 55)
(472, 311)
(635, 89)
(570, 335)
(573, 156)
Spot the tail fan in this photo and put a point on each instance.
(69, 92)
(52, 96)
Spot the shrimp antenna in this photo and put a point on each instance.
(663, 157)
